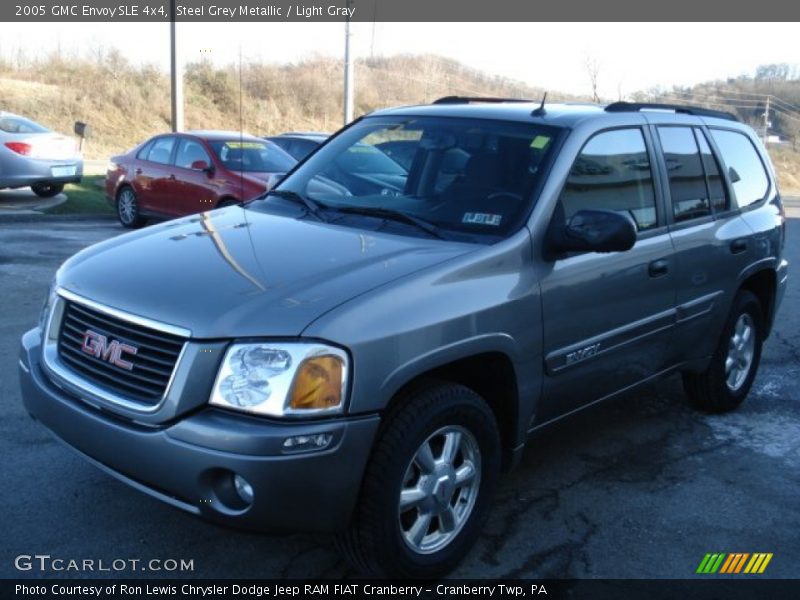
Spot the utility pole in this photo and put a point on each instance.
(766, 122)
(176, 74)
(348, 71)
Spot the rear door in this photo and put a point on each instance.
(711, 240)
(153, 176)
(607, 318)
(193, 189)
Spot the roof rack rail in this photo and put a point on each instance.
(678, 108)
(477, 99)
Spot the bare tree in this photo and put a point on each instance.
(593, 69)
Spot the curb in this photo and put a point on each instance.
(34, 216)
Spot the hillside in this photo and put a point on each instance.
(126, 103)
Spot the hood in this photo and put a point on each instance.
(237, 272)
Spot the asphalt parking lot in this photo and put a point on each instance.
(641, 487)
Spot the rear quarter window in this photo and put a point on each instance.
(745, 169)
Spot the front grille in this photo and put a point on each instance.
(153, 364)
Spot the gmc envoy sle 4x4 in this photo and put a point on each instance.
(365, 359)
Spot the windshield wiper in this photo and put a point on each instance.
(312, 207)
(394, 215)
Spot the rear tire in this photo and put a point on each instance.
(47, 190)
(128, 209)
(428, 485)
(227, 202)
(724, 385)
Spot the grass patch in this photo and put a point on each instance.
(86, 197)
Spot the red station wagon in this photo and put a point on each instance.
(178, 174)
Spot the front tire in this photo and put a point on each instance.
(428, 486)
(47, 190)
(128, 209)
(724, 385)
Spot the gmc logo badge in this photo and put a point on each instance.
(99, 346)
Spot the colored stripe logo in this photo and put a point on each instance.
(734, 562)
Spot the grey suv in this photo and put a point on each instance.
(365, 359)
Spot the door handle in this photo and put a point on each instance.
(172, 176)
(138, 171)
(658, 268)
(738, 246)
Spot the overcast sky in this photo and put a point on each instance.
(631, 56)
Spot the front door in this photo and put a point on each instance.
(608, 318)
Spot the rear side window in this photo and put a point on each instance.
(142, 154)
(613, 172)
(745, 169)
(190, 152)
(687, 180)
(161, 150)
(716, 187)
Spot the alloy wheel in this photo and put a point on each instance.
(439, 490)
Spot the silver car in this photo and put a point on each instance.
(32, 155)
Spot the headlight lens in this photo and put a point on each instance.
(318, 384)
(282, 379)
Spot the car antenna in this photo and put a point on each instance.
(241, 130)
(540, 112)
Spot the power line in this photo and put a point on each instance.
(791, 106)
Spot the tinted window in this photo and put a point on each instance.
(716, 187)
(20, 125)
(253, 157)
(471, 177)
(687, 180)
(161, 150)
(302, 148)
(613, 172)
(191, 151)
(746, 172)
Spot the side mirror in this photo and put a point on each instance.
(733, 175)
(201, 165)
(596, 231)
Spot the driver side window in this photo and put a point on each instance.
(613, 172)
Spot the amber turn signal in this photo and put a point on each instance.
(318, 384)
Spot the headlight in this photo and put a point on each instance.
(48, 305)
(282, 379)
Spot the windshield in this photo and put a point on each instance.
(467, 176)
(365, 158)
(252, 156)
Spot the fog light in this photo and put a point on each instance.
(243, 488)
(299, 443)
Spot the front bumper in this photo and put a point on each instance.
(189, 462)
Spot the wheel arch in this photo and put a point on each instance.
(123, 185)
(487, 369)
(763, 283)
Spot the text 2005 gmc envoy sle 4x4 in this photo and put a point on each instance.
(363, 350)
